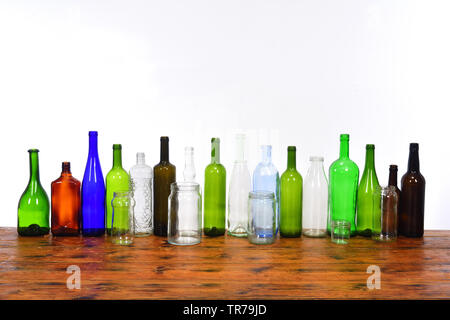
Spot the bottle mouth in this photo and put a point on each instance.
(393, 167)
(315, 158)
(93, 133)
(184, 186)
(215, 140)
(164, 138)
(292, 148)
(33, 150)
(414, 146)
(370, 146)
(261, 195)
(117, 147)
(345, 137)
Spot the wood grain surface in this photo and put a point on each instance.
(223, 268)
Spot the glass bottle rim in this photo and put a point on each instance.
(315, 158)
(122, 194)
(33, 150)
(261, 195)
(184, 186)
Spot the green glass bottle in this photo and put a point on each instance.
(215, 194)
(291, 189)
(344, 176)
(367, 186)
(117, 180)
(34, 206)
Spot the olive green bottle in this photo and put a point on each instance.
(117, 180)
(366, 189)
(164, 174)
(291, 193)
(215, 193)
(34, 206)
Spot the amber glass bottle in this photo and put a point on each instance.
(412, 206)
(164, 173)
(66, 203)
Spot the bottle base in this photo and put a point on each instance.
(290, 234)
(314, 233)
(364, 233)
(33, 230)
(214, 232)
(66, 232)
(93, 232)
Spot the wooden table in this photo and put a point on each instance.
(224, 268)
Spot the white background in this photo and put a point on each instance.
(305, 71)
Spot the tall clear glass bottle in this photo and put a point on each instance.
(369, 183)
(93, 192)
(215, 193)
(412, 207)
(66, 203)
(315, 200)
(189, 167)
(291, 186)
(240, 187)
(34, 207)
(141, 183)
(344, 176)
(117, 180)
(266, 178)
(164, 174)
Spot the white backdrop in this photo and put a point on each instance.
(305, 70)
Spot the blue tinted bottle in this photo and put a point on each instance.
(93, 192)
(266, 178)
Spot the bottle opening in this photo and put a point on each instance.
(261, 195)
(117, 147)
(315, 158)
(33, 150)
(184, 186)
(164, 138)
(345, 136)
(393, 167)
(370, 146)
(93, 133)
(66, 166)
(292, 148)
(414, 146)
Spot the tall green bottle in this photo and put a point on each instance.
(117, 180)
(344, 176)
(367, 186)
(291, 189)
(34, 207)
(215, 193)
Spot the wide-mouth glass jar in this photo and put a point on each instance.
(261, 217)
(123, 223)
(185, 214)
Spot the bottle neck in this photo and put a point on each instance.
(215, 151)
(164, 153)
(266, 154)
(392, 177)
(66, 168)
(34, 167)
(413, 161)
(117, 158)
(93, 147)
(292, 159)
(189, 169)
(140, 158)
(344, 152)
(370, 159)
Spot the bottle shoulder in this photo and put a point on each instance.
(413, 178)
(342, 164)
(215, 167)
(116, 173)
(291, 174)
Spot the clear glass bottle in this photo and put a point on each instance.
(240, 186)
(34, 207)
(215, 193)
(384, 225)
(185, 214)
(315, 200)
(267, 178)
(291, 186)
(189, 167)
(141, 184)
(344, 176)
(261, 217)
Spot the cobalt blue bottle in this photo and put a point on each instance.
(93, 193)
(266, 178)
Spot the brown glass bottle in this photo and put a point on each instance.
(66, 203)
(164, 175)
(411, 218)
(393, 170)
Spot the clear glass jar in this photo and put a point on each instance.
(261, 217)
(315, 200)
(141, 178)
(385, 204)
(185, 214)
(123, 223)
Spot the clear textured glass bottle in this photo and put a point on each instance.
(315, 200)
(240, 186)
(215, 193)
(344, 176)
(189, 167)
(367, 186)
(412, 207)
(266, 178)
(34, 207)
(164, 174)
(66, 203)
(141, 184)
(117, 180)
(291, 186)
(93, 192)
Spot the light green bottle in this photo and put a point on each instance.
(291, 189)
(215, 193)
(34, 207)
(366, 189)
(344, 175)
(117, 180)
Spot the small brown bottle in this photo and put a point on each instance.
(164, 174)
(66, 203)
(412, 199)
